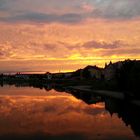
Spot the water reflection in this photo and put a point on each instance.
(31, 113)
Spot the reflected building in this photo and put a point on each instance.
(130, 114)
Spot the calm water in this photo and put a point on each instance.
(32, 113)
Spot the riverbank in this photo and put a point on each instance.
(119, 77)
(85, 87)
(106, 93)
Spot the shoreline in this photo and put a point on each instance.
(75, 86)
(106, 93)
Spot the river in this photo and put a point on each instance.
(30, 113)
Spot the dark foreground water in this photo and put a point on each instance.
(32, 113)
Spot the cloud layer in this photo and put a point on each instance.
(65, 11)
(63, 35)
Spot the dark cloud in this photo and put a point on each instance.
(50, 47)
(120, 9)
(1, 54)
(96, 45)
(41, 17)
(2, 5)
(102, 45)
(28, 10)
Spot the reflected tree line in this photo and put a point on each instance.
(126, 111)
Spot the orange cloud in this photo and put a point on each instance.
(67, 47)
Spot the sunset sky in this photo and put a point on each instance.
(65, 35)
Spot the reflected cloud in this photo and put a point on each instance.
(55, 115)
